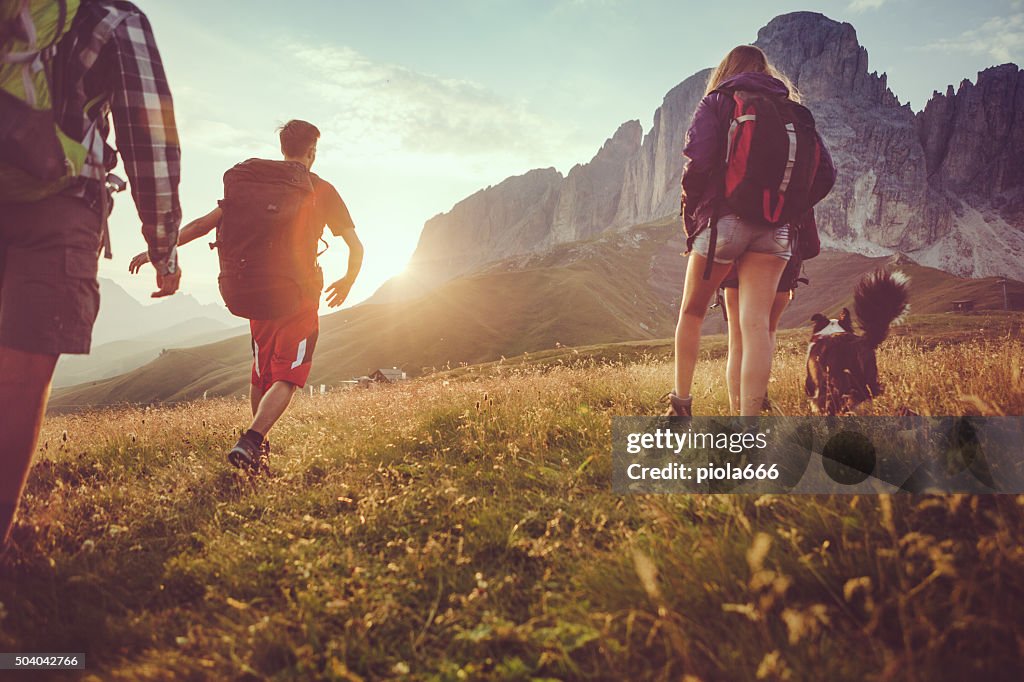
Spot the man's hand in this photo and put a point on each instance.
(338, 292)
(167, 284)
(138, 262)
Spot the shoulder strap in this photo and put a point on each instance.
(61, 28)
(34, 51)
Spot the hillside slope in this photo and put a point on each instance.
(117, 357)
(594, 292)
(621, 286)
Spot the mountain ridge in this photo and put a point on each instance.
(122, 317)
(908, 181)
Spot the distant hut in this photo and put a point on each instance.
(388, 376)
(964, 306)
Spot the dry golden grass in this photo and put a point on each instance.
(463, 528)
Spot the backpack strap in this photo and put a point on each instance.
(106, 199)
(720, 302)
(712, 243)
(50, 51)
(62, 17)
(28, 29)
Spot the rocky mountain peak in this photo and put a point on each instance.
(945, 186)
(628, 135)
(823, 58)
(974, 138)
(652, 177)
(590, 195)
(490, 224)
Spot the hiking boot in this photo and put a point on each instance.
(245, 455)
(677, 406)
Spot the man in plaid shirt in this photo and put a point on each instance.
(49, 294)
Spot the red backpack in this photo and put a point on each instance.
(772, 156)
(267, 240)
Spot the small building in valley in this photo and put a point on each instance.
(388, 376)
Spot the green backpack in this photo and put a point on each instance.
(36, 158)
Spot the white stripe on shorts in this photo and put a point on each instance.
(301, 354)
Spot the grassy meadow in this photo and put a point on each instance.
(461, 527)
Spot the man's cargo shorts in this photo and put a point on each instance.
(49, 295)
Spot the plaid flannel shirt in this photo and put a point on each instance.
(109, 63)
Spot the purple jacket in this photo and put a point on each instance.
(706, 140)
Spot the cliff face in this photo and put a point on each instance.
(882, 182)
(591, 193)
(945, 185)
(973, 139)
(510, 218)
(527, 213)
(973, 142)
(651, 188)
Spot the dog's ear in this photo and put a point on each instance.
(820, 322)
(845, 321)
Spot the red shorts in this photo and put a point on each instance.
(282, 349)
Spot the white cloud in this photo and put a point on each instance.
(378, 108)
(1002, 38)
(225, 139)
(864, 5)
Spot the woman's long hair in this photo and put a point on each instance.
(747, 59)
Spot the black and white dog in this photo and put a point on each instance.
(841, 368)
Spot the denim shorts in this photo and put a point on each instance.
(737, 236)
(788, 281)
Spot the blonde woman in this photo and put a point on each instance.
(729, 166)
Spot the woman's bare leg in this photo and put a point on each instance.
(735, 358)
(697, 293)
(778, 307)
(759, 275)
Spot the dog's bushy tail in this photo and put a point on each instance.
(879, 300)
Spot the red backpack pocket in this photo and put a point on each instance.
(772, 155)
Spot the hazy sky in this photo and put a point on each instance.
(422, 104)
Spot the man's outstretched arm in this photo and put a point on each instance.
(194, 230)
(338, 291)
